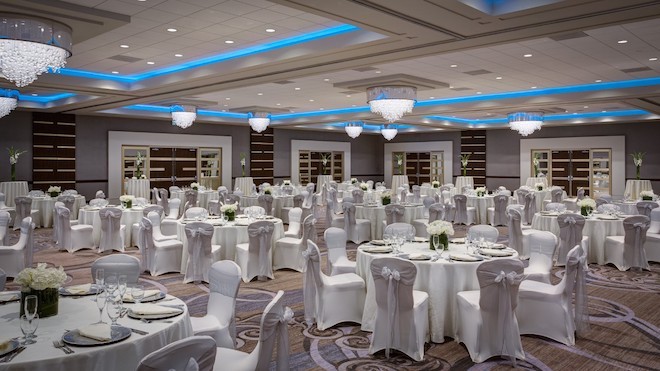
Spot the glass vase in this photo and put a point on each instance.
(47, 301)
(230, 215)
(444, 242)
(585, 210)
(54, 194)
(13, 172)
(386, 201)
(638, 168)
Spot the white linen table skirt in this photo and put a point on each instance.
(531, 181)
(596, 229)
(441, 280)
(462, 181)
(227, 236)
(203, 198)
(278, 203)
(138, 188)
(544, 195)
(634, 187)
(627, 207)
(244, 184)
(46, 205)
(12, 190)
(74, 313)
(398, 181)
(90, 216)
(247, 201)
(376, 215)
(481, 204)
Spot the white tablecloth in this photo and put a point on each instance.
(634, 187)
(481, 204)
(138, 188)
(244, 184)
(12, 190)
(627, 207)
(203, 198)
(90, 216)
(398, 181)
(441, 279)
(376, 215)
(74, 313)
(596, 229)
(46, 205)
(531, 181)
(544, 195)
(462, 181)
(227, 236)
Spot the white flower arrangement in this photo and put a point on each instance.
(194, 185)
(286, 182)
(268, 191)
(364, 186)
(41, 277)
(647, 194)
(481, 190)
(386, 194)
(126, 198)
(228, 208)
(13, 155)
(54, 189)
(354, 180)
(439, 227)
(435, 184)
(539, 186)
(587, 202)
(143, 176)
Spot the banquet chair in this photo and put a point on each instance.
(570, 234)
(140, 202)
(158, 257)
(173, 189)
(370, 184)
(118, 264)
(520, 194)
(36, 193)
(608, 208)
(69, 201)
(399, 228)
(332, 197)
(547, 310)
(330, 300)
(463, 214)
(488, 232)
(357, 230)
(287, 252)
(530, 207)
(438, 214)
(338, 263)
(234, 199)
(556, 194)
(136, 226)
(542, 246)
(311, 208)
(72, 237)
(643, 207)
(605, 196)
(518, 237)
(417, 194)
(156, 224)
(168, 225)
(219, 321)
(190, 196)
(4, 227)
(295, 217)
(254, 257)
(23, 210)
(257, 210)
(69, 192)
(98, 202)
(273, 326)
(14, 258)
(155, 195)
(580, 193)
(332, 219)
(486, 320)
(555, 206)
(99, 194)
(3, 280)
(195, 212)
(194, 353)
(266, 202)
(497, 213)
(627, 251)
(298, 201)
(112, 231)
(600, 202)
(358, 196)
(394, 214)
(402, 192)
(310, 192)
(201, 252)
(402, 315)
(164, 199)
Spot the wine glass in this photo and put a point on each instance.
(436, 244)
(111, 283)
(137, 292)
(29, 327)
(122, 287)
(100, 278)
(101, 298)
(114, 305)
(30, 306)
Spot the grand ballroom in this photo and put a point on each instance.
(329, 185)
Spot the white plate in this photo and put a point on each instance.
(377, 249)
(464, 258)
(153, 316)
(13, 345)
(495, 253)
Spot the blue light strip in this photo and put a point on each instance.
(219, 58)
(338, 111)
(202, 112)
(553, 117)
(372, 127)
(44, 98)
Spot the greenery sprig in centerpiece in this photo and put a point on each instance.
(14, 154)
(464, 162)
(44, 283)
(638, 157)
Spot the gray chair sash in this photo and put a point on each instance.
(634, 254)
(499, 205)
(570, 234)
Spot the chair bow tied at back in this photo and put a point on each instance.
(263, 232)
(634, 254)
(311, 257)
(577, 264)
(390, 275)
(145, 242)
(199, 240)
(570, 234)
(394, 213)
(275, 323)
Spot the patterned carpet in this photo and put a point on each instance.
(624, 309)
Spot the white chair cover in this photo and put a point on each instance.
(394, 213)
(500, 203)
(655, 221)
(3, 198)
(521, 193)
(338, 263)
(542, 246)
(461, 212)
(196, 212)
(3, 280)
(530, 207)
(570, 234)
(488, 232)
(68, 201)
(191, 197)
(436, 212)
(358, 196)
(608, 209)
(158, 257)
(403, 194)
(600, 202)
(71, 238)
(118, 264)
(401, 321)
(196, 351)
(399, 228)
(99, 194)
(266, 201)
(36, 193)
(23, 210)
(515, 230)
(357, 230)
(155, 195)
(257, 261)
(643, 207)
(145, 243)
(222, 194)
(111, 238)
(634, 255)
(70, 192)
(164, 200)
(555, 206)
(4, 227)
(18, 256)
(556, 195)
(295, 217)
(199, 236)
(332, 198)
(580, 193)
(98, 202)
(288, 250)
(417, 194)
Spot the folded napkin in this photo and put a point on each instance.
(98, 331)
(463, 257)
(377, 249)
(9, 296)
(421, 239)
(378, 242)
(147, 294)
(79, 289)
(457, 240)
(418, 257)
(493, 252)
(147, 309)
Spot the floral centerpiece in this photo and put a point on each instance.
(242, 163)
(586, 205)
(364, 186)
(13, 159)
(268, 191)
(647, 195)
(435, 184)
(286, 182)
(194, 186)
(464, 163)
(143, 176)
(481, 191)
(127, 201)
(43, 282)
(535, 162)
(354, 180)
(386, 198)
(139, 160)
(442, 229)
(325, 158)
(54, 191)
(637, 160)
(229, 210)
(399, 162)
(539, 186)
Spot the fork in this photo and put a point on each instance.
(60, 345)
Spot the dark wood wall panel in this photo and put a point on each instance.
(473, 142)
(54, 150)
(261, 156)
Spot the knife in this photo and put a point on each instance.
(11, 356)
(139, 332)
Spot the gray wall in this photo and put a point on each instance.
(16, 131)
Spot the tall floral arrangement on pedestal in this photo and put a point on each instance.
(139, 160)
(399, 162)
(242, 163)
(13, 159)
(464, 163)
(637, 160)
(325, 158)
(535, 162)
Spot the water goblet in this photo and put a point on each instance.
(137, 292)
(436, 244)
(30, 306)
(100, 278)
(111, 283)
(100, 304)
(29, 327)
(114, 308)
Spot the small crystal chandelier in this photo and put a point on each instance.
(31, 46)
(183, 116)
(389, 131)
(259, 121)
(8, 101)
(525, 123)
(354, 128)
(391, 102)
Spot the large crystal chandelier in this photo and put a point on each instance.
(525, 123)
(391, 102)
(183, 116)
(389, 131)
(353, 128)
(30, 46)
(259, 121)
(8, 101)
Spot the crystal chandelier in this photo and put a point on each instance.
(183, 116)
(8, 101)
(31, 46)
(389, 131)
(391, 102)
(525, 123)
(354, 128)
(259, 121)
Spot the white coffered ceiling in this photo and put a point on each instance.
(461, 50)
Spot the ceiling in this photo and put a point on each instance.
(309, 62)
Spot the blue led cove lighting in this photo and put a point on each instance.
(554, 117)
(44, 98)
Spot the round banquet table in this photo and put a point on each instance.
(89, 215)
(376, 215)
(227, 236)
(440, 279)
(138, 188)
(203, 198)
(244, 184)
(74, 313)
(531, 181)
(46, 205)
(462, 181)
(481, 204)
(12, 190)
(278, 203)
(595, 228)
(627, 207)
(398, 181)
(634, 187)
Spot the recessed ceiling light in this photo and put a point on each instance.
(353, 105)
(150, 62)
(115, 72)
(178, 55)
(527, 55)
(453, 66)
(229, 41)
(653, 59)
(451, 86)
(277, 104)
(260, 93)
(603, 111)
(311, 100)
(378, 71)
(172, 30)
(227, 98)
(124, 46)
(498, 78)
(431, 97)
(296, 88)
(326, 80)
(348, 95)
(34, 94)
(478, 92)
(142, 1)
(225, 105)
(598, 81)
(270, 30)
(622, 41)
(585, 107)
(321, 109)
(575, 113)
(224, 110)
(533, 87)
